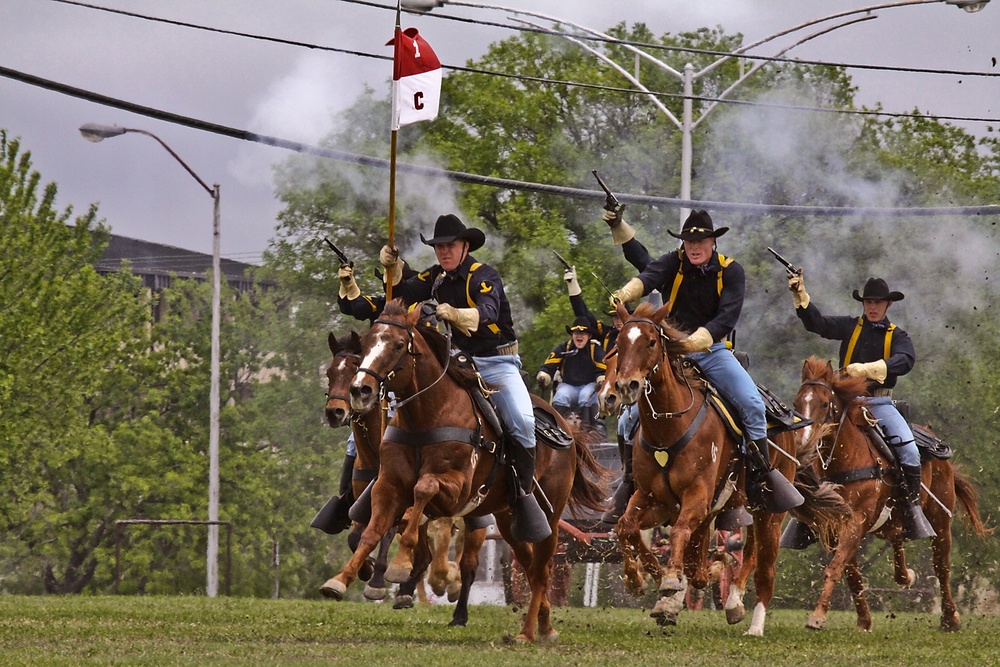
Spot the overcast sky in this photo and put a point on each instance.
(292, 92)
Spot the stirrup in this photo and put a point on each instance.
(333, 517)
(361, 510)
(528, 521)
(733, 519)
(915, 524)
(797, 535)
(780, 495)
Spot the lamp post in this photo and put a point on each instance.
(96, 132)
(687, 123)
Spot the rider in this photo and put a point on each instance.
(471, 297)
(873, 347)
(580, 363)
(706, 291)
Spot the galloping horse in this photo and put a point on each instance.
(367, 431)
(845, 454)
(686, 469)
(442, 457)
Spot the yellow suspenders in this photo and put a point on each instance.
(468, 295)
(887, 347)
(723, 262)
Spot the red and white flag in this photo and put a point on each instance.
(416, 79)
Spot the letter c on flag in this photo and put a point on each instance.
(418, 98)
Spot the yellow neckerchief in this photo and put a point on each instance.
(723, 263)
(468, 295)
(887, 347)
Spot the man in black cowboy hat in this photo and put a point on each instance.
(873, 347)
(580, 363)
(471, 297)
(705, 292)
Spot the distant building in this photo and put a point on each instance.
(158, 265)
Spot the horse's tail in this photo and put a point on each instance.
(590, 481)
(824, 509)
(968, 497)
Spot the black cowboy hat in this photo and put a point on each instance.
(580, 324)
(449, 228)
(698, 226)
(876, 288)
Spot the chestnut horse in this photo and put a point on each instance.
(687, 468)
(427, 470)
(845, 454)
(442, 576)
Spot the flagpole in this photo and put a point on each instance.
(392, 147)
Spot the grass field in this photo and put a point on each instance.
(41, 631)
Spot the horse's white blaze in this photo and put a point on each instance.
(378, 349)
(756, 628)
(342, 366)
(807, 413)
(633, 334)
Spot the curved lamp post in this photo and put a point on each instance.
(687, 123)
(96, 132)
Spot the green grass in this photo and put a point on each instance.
(41, 631)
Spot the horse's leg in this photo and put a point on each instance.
(375, 589)
(673, 586)
(634, 550)
(696, 558)
(735, 611)
(453, 587)
(386, 505)
(767, 532)
(472, 542)
(426, 488)
(421, 559)
(901, 574)
(941, 553)
(439, 541)
(398, 570)
(855, 582)
(847, 546)
(539, 575)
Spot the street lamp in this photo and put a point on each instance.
(687, 123)
(96, 132)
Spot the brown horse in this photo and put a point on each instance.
(367, 430)
(430, 465)
(845, 454)
(687, 468)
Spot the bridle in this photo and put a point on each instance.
(831, 417)
(412, 352)
(662, 338)
(344, 355)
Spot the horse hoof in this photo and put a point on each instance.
(523, 639)
(911, 578)
(398, 574)
(735, 615)
(953, 624)
(403, 602)
(374, 594)
(367, 569)
(454, 590)
(333, 589)
(550, 638)
(816, 622)
(664, 618)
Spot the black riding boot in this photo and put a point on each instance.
(767, 488)
(619, 501)
(333, 517)
(528, 521)
(915, 524)
(594, 421)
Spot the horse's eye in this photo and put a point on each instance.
(652, 343)
(400, 345)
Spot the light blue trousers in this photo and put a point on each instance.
(734, 384)
(896, 429)
(626, 422)
(575, 396)
(512, 398)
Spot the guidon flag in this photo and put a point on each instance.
(416, 79)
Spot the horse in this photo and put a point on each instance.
(844, 453)
(686, 469)
(367, 429)
(443, 457)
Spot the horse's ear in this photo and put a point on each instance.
(355, 341)
(413, 317)
(331, 340)
(829, 367)
(662, 313)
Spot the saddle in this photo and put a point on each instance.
(547, 429)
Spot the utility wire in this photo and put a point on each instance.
(475, 179)
(589, 86)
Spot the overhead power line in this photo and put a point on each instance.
(476, 179)
(577, 84)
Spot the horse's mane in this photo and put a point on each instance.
(815, 369)
(674, 345)
(847, 388)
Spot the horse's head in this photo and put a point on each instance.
(645, 343)
(346, 359)
(608, 401)
(384, 349)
